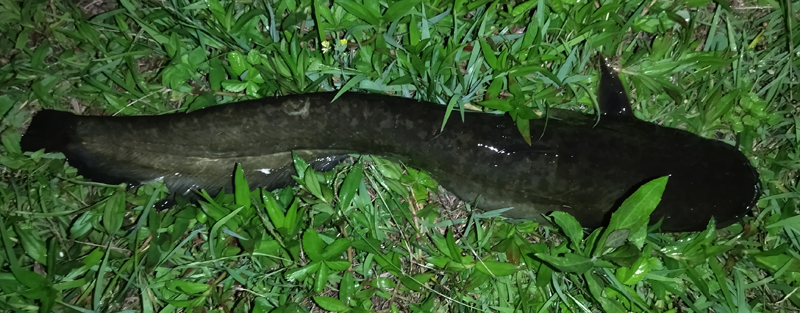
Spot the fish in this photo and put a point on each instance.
(585, 166)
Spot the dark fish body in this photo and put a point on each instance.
(580, 166)
(575, 166)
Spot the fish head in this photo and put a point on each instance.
(716, 181)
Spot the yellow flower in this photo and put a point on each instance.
(342, 42)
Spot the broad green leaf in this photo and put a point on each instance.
(280, 65)
(241, 189)
(524, 126)
(439, 260)
(450, 105)
(569, 225)
(637, 271)
(312, 183)
(415, 282)
(414, 33)
(387, 168)
(253, 57)
(390, 262)
(570, 262)
(335, 249)
(331, 304)
(384, 283)
(523, 7)
(189, 303)
(300, 165)
(303, 272)
(186, 287)
(495, 87)
(617, 238)
(634, 213)
(359, 11)
(625, 255)
(321, 278)
(196, 57)
(233, 85)
(113, 212)
(347, 287)
(53, 254)
(350, 185)
(215, 230)
(34, 247)
(267, 247)
(350, 84)
(49, 299)
(313, 245)
(497, 104)
(337, 265)
(237, 62)
(217, 212)
(488, 54)
(291, 221)
(29, 279)
(273, 209)
(369, 245)
(216, 74)
(223, 17)
(399, 9)
(453, 248)
(495, 268)
(420, 192)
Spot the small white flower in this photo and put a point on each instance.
(326, 46)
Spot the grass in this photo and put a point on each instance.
(374, 235)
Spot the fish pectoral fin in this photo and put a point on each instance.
(612, 99)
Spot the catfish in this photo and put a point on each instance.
(585, 165)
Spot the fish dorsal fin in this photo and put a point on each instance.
(611, 96)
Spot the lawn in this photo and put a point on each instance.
(373, 235)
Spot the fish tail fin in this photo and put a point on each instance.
(55, 131)
(49, 130)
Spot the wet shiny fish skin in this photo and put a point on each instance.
(581, 166)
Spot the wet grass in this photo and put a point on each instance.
(373, 235)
